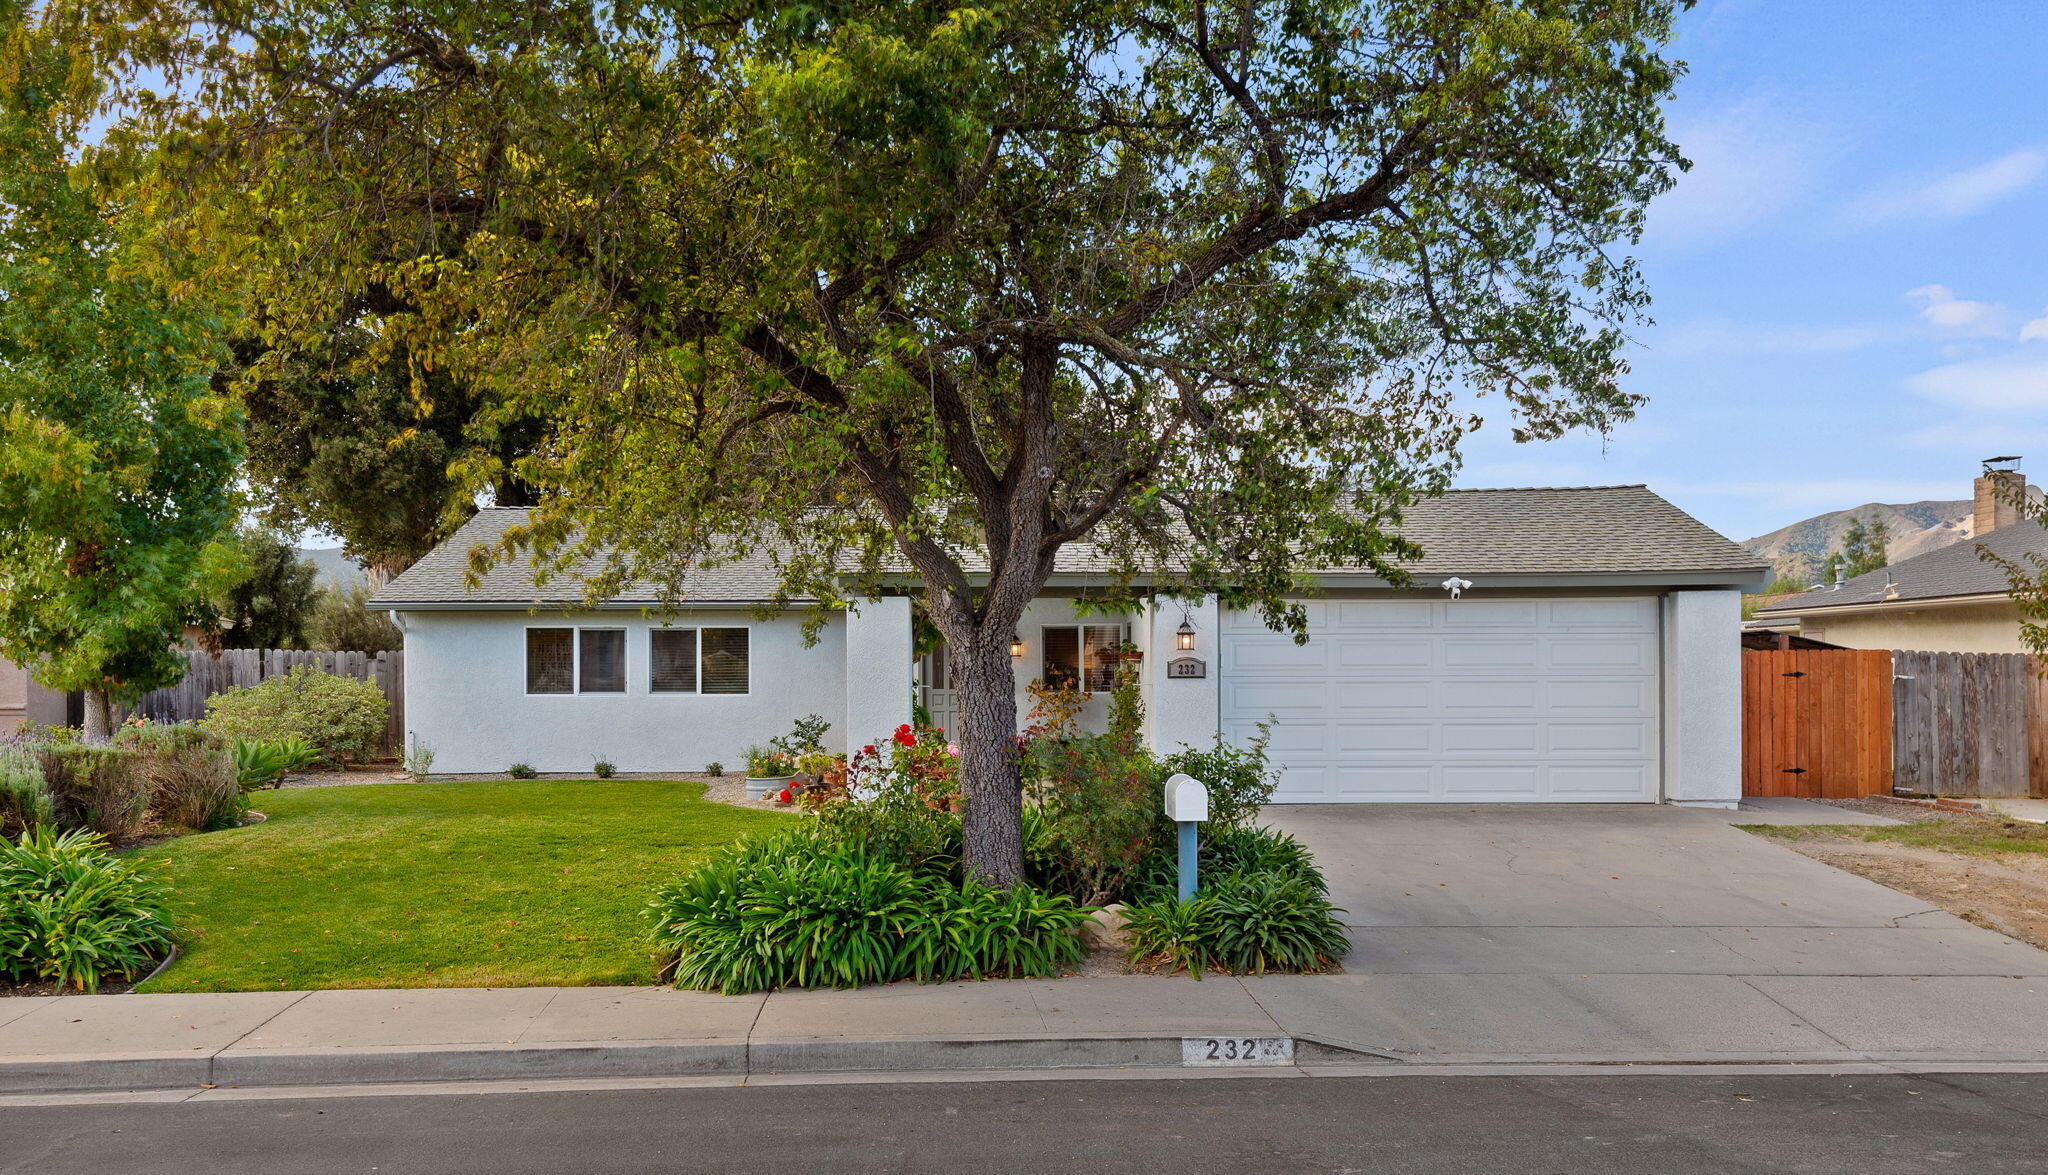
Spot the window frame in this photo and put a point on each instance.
(1080, 627)
(700, 691)
(576, 689)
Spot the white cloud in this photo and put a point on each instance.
(2037, 329)
(1940, 306)
(1956, 194)
(1711, 336)
(2005, 383)
(1750, 160)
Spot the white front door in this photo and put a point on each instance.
(1453, 701)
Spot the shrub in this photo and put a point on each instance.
(522, 771)
(805, 737)
(265, 762)
(73, 913)
(24, 797)
(715, 769)
(1247, 924)
(342, 717)
(419, 759)
(1224, 852)
(811, 908)
(764, 763)
(1100, 809)
(101, 788)
(900, 821)
(603, 769)
(193, 778)
(1240, 779)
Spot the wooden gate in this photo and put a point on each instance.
(1817, 723)
(1963, 723)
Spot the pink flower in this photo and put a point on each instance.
(953, 749)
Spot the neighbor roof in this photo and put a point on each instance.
(1563, 532)
(1954, 570)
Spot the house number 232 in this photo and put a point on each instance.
(1237, 1050)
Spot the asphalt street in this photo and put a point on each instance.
(1568, 1125)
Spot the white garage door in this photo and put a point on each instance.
(1453, 701)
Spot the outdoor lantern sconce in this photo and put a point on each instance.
(1184, 636)
(1016, 645)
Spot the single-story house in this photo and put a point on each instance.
(1949, 600)
(1590, 658)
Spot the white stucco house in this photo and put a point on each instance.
(1593, 658)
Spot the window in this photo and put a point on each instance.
(698, 661)
(549, 661)
(601, 661)
(724, 660)
(575, 661)
(672, 660)
(1081, 656)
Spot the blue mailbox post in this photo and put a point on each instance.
(1187, 804)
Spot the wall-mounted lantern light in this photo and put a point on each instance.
(1016, 645)
(1184, 636)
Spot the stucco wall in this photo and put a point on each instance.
(878, 668)
(1990, 628)
(1703, 698)
(465, 688)
(1031, 666)
(1181, 711)
(13, 696)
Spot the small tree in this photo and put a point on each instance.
(1865, 548)
(938, 292)
(116, 458)
(344, 622)
(272, 605)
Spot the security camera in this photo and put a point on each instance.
(1456, 586)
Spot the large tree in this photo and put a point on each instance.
(944, 290)
(116, 460)
(273, 604)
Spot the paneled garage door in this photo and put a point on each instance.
(1453, 701)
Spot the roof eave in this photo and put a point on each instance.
(1905, 604)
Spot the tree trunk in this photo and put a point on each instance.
(99, 716)
(992, 815)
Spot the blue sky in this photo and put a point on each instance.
(1851, 285)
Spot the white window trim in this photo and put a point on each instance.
(576, 689)
(1123, 632)
(699, 692)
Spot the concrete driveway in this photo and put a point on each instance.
(1540, 930)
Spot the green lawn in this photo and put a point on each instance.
(512, 883)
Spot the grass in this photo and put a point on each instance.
(1973, 838)
(472, 884)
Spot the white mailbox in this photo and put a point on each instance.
(1187, 800)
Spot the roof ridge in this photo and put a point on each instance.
(1633, 485)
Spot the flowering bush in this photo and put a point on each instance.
(763, 763)
(919, 763)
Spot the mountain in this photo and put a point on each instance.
(1916, 528)
(334, 566)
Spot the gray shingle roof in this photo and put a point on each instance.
(1587, 530)
(1954, 570)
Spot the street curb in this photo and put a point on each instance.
(257, 1068)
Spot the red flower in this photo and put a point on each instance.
(905, 736)
(785, 797)
(868, 750)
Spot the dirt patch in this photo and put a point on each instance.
(2005, 892)
(1897, 810)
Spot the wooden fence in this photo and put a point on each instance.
(207, 675)
(1817, 723)
(1970, 724)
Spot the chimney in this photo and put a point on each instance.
(1999, 490)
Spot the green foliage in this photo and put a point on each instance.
(522, 771)
(899, 825)
(1247, 924)
(1865, 548)
(1099, 811)
(767, 763)
(1221, 307)
(1240, 779)
(117, 458)
(603, 769)
(193, 777)
(419, 758)
(263, 763)
(1224, 851)
(100, 788)
(813, 908)
(342, 717)
(72, 913)
(343, 621)
(714, 769)
(272, 606)
(24, 797)
(1126, 701)
(804, 738)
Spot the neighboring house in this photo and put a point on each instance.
(1590, 660)
(22, 700)
(1950, 600)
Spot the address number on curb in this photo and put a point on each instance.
(1237, 1050)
